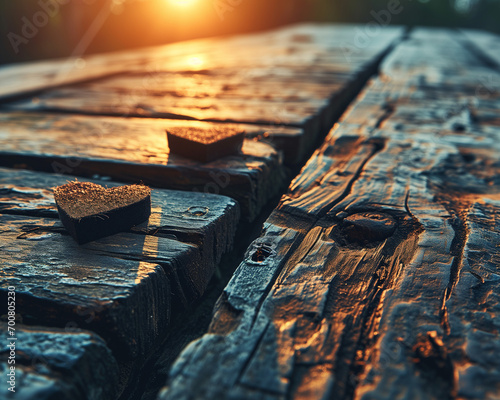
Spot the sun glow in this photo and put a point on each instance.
(196, 62)
(182, 3)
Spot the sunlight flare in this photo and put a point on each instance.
(182, 3)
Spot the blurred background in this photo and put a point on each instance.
(39, 29)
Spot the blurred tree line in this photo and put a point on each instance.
(477, 14)
(35, 29)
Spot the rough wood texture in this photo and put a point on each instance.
(55, 364)
(285, 88)
(299, 77)
(136, 150)
(121, 287)
(375, 276)
(102, 286)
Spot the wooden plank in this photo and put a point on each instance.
(205, 221)
(417, 349)
(289, 140)
(56, 364)
(484, 44)
(60, 283)
(239, 51)
(365, 290)
(136, 150)
(304, 314)
(300, 77)
(101, 101)
(456, 93)
(477, 329)
(30, 78)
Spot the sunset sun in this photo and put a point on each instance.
(182, 3)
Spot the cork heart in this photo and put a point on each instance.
(205, 145)
(90, 211)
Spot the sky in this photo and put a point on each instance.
(39, 29)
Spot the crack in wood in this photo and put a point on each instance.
(457, 248)
(407, 207)
(389, 318)
(254, 349)
(279, 272)
(389, 109)
(378, 146)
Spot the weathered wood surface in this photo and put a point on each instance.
(56, 364)
(376, 276)
(484, 44)
(205, 220)
(122, 286)
(297, 77)
(285, 88)
(98, 286)
(136, 150)
(31, 78)
(122, 134)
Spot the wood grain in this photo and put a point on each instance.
(122, 286)
(205, 220)
(329, 302)
(301, 76)
(135, 150)
(55, 364)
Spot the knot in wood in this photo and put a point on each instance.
(260, 253)
(368, 227)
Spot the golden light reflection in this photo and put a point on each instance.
(150, 247)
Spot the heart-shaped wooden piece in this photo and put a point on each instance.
(205, 145)
(90, 211)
